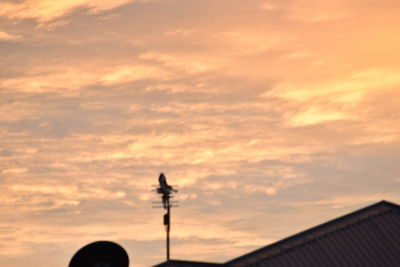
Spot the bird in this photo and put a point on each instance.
(165, 190)
(164, 187)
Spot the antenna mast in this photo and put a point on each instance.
(166, 191)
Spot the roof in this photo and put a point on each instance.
(367, 237)
(177, 263)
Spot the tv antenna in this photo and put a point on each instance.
(166, 191)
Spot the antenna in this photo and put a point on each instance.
(166, 191)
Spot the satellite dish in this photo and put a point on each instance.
(100, 254)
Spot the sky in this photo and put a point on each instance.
(270, 117)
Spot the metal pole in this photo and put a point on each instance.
(168, 227)
(166, 191)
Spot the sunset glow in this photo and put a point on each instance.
(270, 116)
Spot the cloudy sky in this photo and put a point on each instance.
(270, 116)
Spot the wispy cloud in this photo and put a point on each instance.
(47, 10)
(258, 111)
(64, 79)
(4, 36)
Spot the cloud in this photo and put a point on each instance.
(68, 79)
(317, 115)
(128, 73)
(48, 10)
(285, 114)
(14, 171)
(311, 11)
(351, 89)
(250, 42)
(187, 63)
(328, 101)
(57, 196)
(4, 36)
(268, 6)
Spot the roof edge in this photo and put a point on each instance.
(188, 262)
(383, 204)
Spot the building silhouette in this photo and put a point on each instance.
(366, 237)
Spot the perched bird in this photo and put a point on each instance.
(164, 189)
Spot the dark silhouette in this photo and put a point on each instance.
(100, 254)
(165, 190)
(366, 237)
(166, 194)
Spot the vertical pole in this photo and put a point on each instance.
(168, 226)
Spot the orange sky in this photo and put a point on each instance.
(271, 116)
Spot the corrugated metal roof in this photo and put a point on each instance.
(367, 237)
